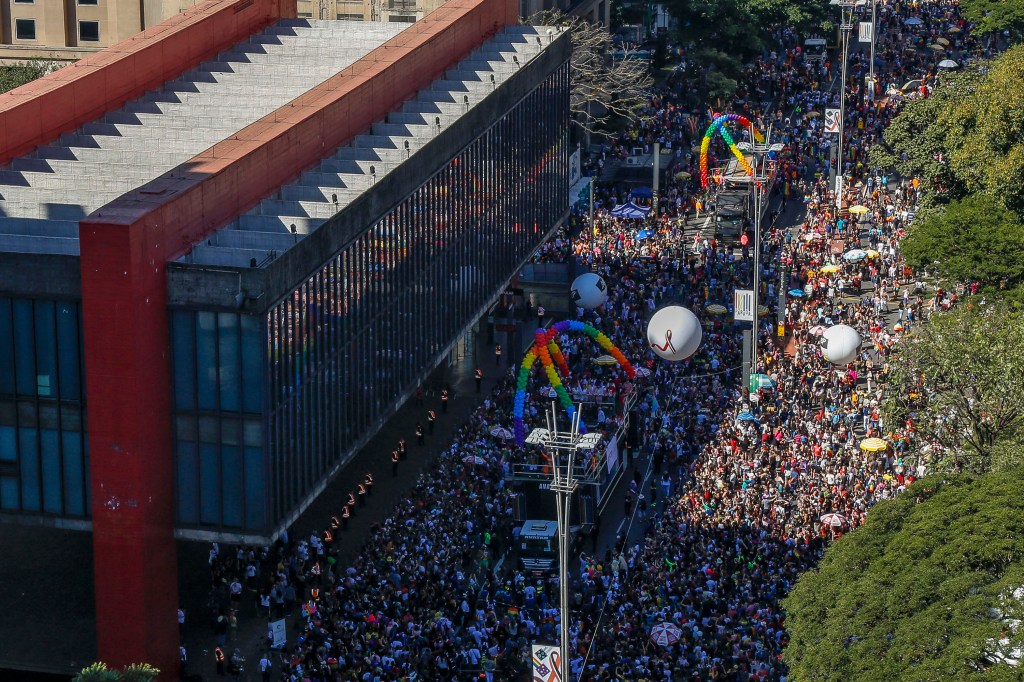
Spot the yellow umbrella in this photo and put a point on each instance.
(955, 29)
(715, 308)
(871, 253)
(829, 269)
(936, 47)
(605, 360)
(813, 114)
(859, 210)
(873, 445)
(682, 175)
(762, 310)
(942, 41)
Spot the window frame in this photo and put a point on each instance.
(82, 38)
(17, 28)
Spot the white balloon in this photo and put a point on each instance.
(674, 333)
(589, 290)
(839, 344)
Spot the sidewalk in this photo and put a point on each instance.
(374, 458)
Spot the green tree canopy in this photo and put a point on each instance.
(959, 378)
(909, 595)
(15, 75)
(992, 16)
(975, 238)
(968, 137)
(99, 672)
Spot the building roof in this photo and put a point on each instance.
(45, 193)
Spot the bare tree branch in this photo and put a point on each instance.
(601, 87)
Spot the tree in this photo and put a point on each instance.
(968, 137)
(959, 379)
(923, 591)
(99, 672)
(15, 75)
(995, 16)
(601, 87)
(976, 238)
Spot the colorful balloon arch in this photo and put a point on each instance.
(718, 125)
(546, 349)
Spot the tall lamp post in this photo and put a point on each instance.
(563, 446)
(764, 173)
(846, 8)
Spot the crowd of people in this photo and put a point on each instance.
(747, 486)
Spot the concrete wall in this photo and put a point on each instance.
(61, 101)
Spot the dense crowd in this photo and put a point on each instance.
(742, 482)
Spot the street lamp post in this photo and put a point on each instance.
(871, 65)
(562, 446)
(845, 28)
(759, 183)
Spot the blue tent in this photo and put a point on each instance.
(630, 210)
(644, 234)
(641, 193)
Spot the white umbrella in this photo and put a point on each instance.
(474, 459)
(948, 64)
(913, 21)
(834, 520)
(666, 634)
(855, 255)
(501, 432)
(643, 372)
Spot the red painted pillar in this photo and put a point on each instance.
(132, 471)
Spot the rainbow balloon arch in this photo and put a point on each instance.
(718, 125)
(546, 349)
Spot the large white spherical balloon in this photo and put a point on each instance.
(674, 333)
(589, 290)
(839, 344)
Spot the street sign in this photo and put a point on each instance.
(839, 192)
(831, 120)
(865, 32)
(547, 663)
(744, 305)
(277, 629)
(574, 167)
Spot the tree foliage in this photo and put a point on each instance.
(741, 27)
(602, 88)
(959, 378)
(976, 238)
(993, 16)
(15, 75)
(968, 137)
(99, 672)
(909, 596)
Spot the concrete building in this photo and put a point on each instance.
(64, 30)
(231, 247)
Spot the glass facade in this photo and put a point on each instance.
(44, 456)
(341, 348)
(218, 382)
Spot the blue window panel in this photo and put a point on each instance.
(230, 362)
(68, 352)
(252, 365)
(8, 444)
(232, 472)
(46, 350)
(24, 347)
(29, 470)
(9, 494)
(74, 480)
(6, 348)
(50, 443)
(188, 482)
(183, 348)
(206, 359)
(255, 492)
(209, 484)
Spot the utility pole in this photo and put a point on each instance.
(591, 204)
(845, 27)
(871, 66)
(657, 173)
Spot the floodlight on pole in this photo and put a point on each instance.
(562, 446)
